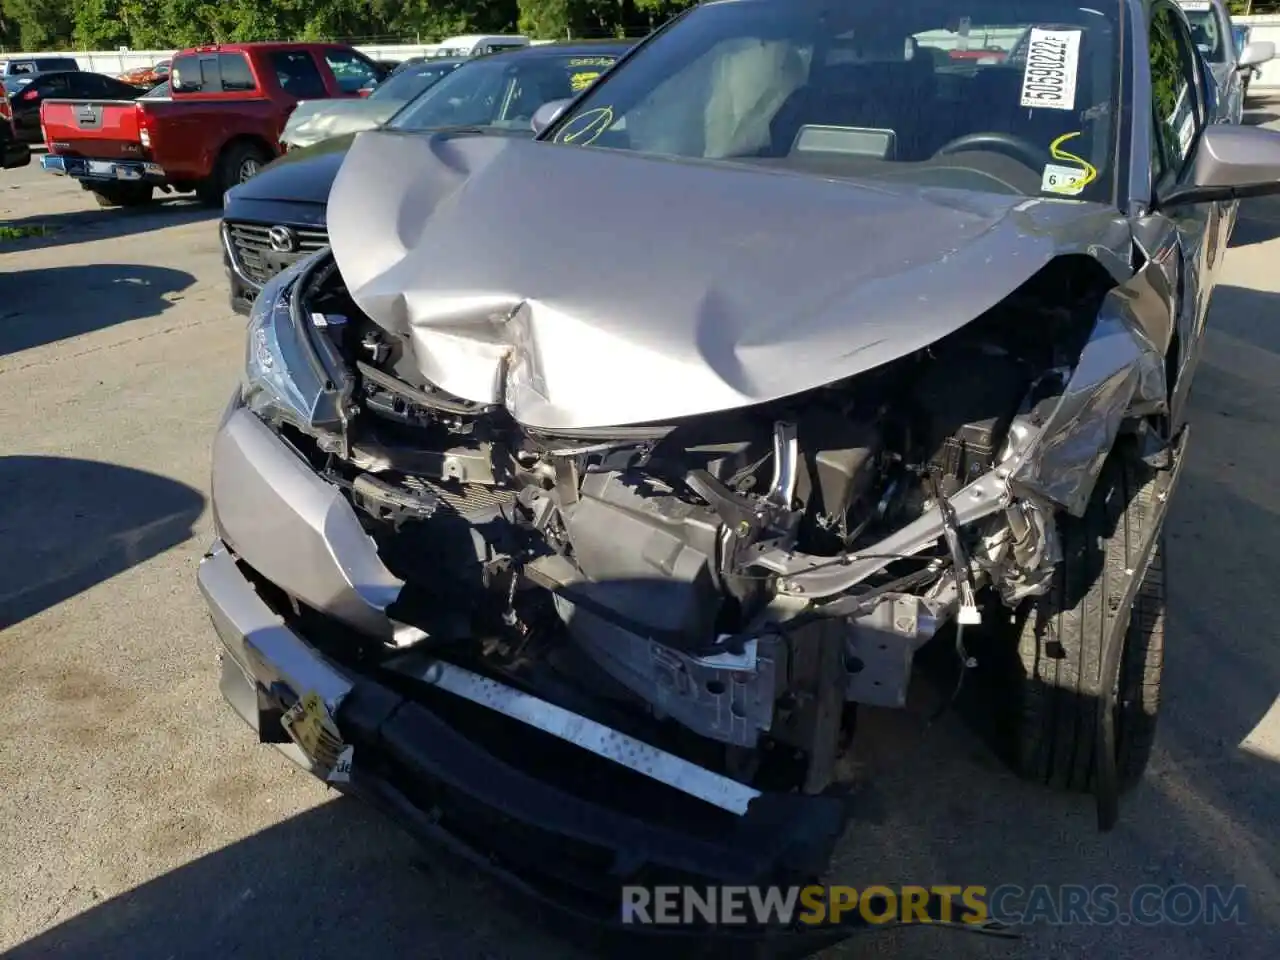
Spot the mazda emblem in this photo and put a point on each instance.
(282, 239)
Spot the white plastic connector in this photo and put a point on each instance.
(969, 616)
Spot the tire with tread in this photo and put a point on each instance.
(1060, 637)
(227, 172)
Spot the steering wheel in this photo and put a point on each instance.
(1024, 151)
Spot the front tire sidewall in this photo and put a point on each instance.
(1055, 685)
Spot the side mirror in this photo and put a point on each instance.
(1231, 162)
(1256, 53)
(547, 114)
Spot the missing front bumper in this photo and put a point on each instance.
(538, 832)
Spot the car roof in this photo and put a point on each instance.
(42, 74)
(59, 73)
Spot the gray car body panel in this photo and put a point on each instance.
(503, 263)
(300, 531)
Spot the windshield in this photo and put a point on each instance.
(883, 89)
(410, 82)
(1206, 31)
(502, 93)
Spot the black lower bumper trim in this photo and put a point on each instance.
(608, 934)
(782, 838)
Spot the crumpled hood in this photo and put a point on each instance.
(315, 120)
(587, 288)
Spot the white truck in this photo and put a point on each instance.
(477, 45)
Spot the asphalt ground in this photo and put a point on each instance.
(140, 819)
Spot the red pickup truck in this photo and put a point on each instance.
(222, 121)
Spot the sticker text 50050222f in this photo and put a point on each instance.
(1049, 78)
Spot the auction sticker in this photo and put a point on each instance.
(1049, 80)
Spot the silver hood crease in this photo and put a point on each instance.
(523, 276)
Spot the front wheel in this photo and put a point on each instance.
(1057, 672)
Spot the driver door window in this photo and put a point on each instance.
(1177, 110)
(352, 72)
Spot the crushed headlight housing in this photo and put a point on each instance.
(285, 377)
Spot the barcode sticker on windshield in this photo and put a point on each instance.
(1049, 80)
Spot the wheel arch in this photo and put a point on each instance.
(249, 139)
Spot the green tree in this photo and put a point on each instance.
(39, 24)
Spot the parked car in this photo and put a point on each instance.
(30, 66)
(574, 501)
(1240, 34)
(220, 124)
(13, 152)
(413, 62)
(1211, 31)
(147, 77)
(25, 99)
(316, 120)
(279, 216)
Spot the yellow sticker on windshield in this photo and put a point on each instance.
(591, 61)
(1067, 180)
(580, 81)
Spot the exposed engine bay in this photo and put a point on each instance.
(744, 575)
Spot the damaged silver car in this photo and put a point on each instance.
(575, 500)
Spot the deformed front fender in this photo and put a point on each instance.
(1120, 374)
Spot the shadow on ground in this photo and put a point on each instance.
(80, 226)
(1257, 222)
(289, 891)
(66, 525)
(54, 303)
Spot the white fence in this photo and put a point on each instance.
(113, 62)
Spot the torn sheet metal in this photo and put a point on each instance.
(1121, 373)
(522, 275)
(724, 697)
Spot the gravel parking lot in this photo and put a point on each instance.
(139, 819)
